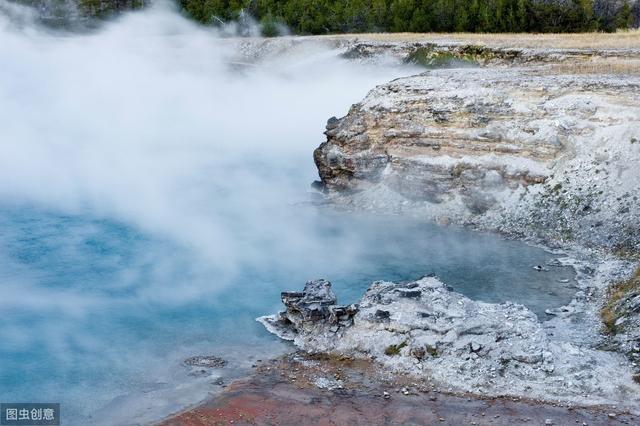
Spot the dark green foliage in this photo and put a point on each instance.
(393, 350)
(270, 26)
(432, 350)
(102, 8)
(351, 16)
(338, 16)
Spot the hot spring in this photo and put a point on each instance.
(155, 200)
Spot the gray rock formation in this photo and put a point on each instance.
(423, 328)
(316, 304)
(519, 150)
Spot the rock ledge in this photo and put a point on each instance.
(424, 329)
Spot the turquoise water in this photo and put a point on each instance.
(88, 306)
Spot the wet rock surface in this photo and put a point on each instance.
(315, 306)
(292, 391)
(207, 361)
(202, 365)
(471, 346)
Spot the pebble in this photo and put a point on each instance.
(548, 422)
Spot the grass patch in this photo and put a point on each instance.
(617, 292)
(612, 67)
(432, 350)
(429, 58)
(393, 350)
(621, 39)
(626, 252)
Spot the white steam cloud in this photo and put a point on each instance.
(152, 121)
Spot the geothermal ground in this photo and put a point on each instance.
(319, 390)
(535, 137)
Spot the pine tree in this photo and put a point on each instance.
(325, 16)
(521, 16)
(624, 19)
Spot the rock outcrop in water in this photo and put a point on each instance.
(519, 150)
(423, 328)
(315, 306)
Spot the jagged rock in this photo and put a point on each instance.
(383, 315)
(312, 310)
(471, 345)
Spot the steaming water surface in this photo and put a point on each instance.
(85, 316)
(154, 201)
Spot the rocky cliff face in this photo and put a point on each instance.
(520, 150)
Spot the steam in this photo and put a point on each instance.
(150, 121)
(197, 155)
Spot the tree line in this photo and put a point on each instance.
(487, 16)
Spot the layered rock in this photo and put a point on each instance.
(511, 149)
(430, 138)
(423, 328)
(430, 51)
(314, 306)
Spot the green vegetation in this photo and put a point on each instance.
(102, 8)
(344, 16)
(432, 350)
(353, 16)
(609, 312)
(430, 58)
(392, 350)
